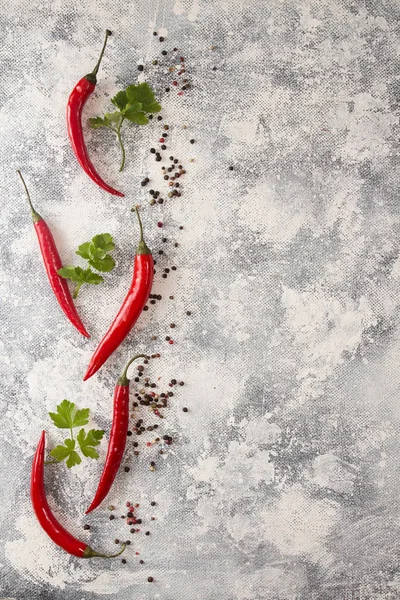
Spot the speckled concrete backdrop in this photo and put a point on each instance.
(283, 481)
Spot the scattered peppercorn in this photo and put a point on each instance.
(163, 147)
(86, 527)
(184, 409)
(140, 67)
(231, 168)
(159, 118)
(153, 150)
(164, 52)
(152, 503)
(126, 469)
(192, 141)
(147, 533)
(161, 39)
(111, 517)
(116, 541)
(150, 579)
(123, 560)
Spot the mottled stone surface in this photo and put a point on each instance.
(283, 479)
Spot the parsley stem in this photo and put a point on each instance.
(72, 433)
(118, 132)
(51, 462)
(75, 295)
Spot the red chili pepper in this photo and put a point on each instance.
(76, 102)
(131, 308)
(116, 445)
(52, 262)
(47, 520)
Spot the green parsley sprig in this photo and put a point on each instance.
(132, 104)
(96, 253)
(70, 417)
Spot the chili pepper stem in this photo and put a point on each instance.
(35, 216)
(142, 248)
(95, 70)
(90, 553)
(123, 380)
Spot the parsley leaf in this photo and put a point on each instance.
(136, 117)
(120, 100)
(80, 276)
(132, 104)
(95, 252)
(88, 440)
(98, 122)
(68, 416)
(144, 94)
(104, 241)
(67, 451)
(64, 417)
(83, 250)
(103, 264)
(113, 117)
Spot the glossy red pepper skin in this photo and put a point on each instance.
(130, 310)
(52, 263)
(117, 442)
(76, 102)
(47, 520)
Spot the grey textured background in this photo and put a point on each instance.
(283, 480)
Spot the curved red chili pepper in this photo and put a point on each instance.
(47, 520)
(52, 262)
(131, 308)
(116, 445)
(76, 102)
